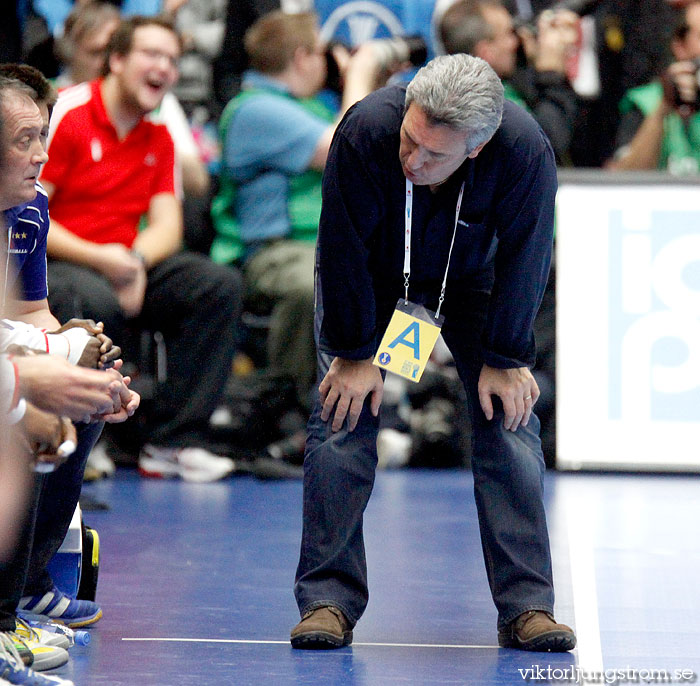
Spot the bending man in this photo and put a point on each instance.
(440, 191)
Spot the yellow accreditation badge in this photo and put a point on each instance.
(408, 340)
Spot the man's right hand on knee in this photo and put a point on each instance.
(345, 387)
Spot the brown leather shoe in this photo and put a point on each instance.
(322, 629)
(536, 630)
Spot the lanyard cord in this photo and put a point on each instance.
(408, 221)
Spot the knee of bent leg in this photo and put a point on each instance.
(225, 292)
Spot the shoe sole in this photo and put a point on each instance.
(79, 621)
(321, 640)
(550, 642)
(154, 469)
(52, 660)
(70, 622)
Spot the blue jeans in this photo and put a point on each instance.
(508, 470)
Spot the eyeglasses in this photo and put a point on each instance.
(155, 55)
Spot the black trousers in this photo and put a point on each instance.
(196, 305)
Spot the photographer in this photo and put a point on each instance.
(484, 28)
(660, 126)
(275, 140)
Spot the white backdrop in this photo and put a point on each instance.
(628, 327)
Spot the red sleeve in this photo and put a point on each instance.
(60, 144)
(167, 180)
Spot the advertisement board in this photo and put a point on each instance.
(628, 326)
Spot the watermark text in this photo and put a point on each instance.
(627, 675)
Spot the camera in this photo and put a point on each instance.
(411, 49)
(693, 106)
(580, 7)
(398, 49)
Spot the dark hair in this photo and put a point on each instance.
(463, 25)
(32, 77)
(274, 38)
(81, 22)
(122, 39)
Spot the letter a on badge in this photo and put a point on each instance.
(403, 339)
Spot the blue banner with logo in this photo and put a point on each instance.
(358, 21)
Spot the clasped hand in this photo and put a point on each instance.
(100, 352)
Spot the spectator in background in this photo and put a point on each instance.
(624, 44)
(201, 25)
(110, 167)
(82, 50)
(83, 44)
(275, 140)
(233, 60)
(10, 33)
(484, 28)
(660, 126)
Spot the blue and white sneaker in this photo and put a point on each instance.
(61, 608)
(13, 671)
(43, 656)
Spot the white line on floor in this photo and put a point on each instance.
(585, 594)
(256, 642)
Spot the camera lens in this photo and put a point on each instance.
(412, 49)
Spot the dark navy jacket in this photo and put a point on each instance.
(503, 243)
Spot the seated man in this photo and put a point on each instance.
(275, 137)
(40, 387)
(86, 34)
(110, 169)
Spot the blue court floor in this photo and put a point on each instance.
(196, 585)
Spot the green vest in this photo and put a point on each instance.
(680, 147)
(303, 199)
(513, 95)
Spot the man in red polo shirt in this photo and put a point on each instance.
(116, 230)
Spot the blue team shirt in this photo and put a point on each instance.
(28, 227)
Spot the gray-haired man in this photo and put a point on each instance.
(440, 197)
